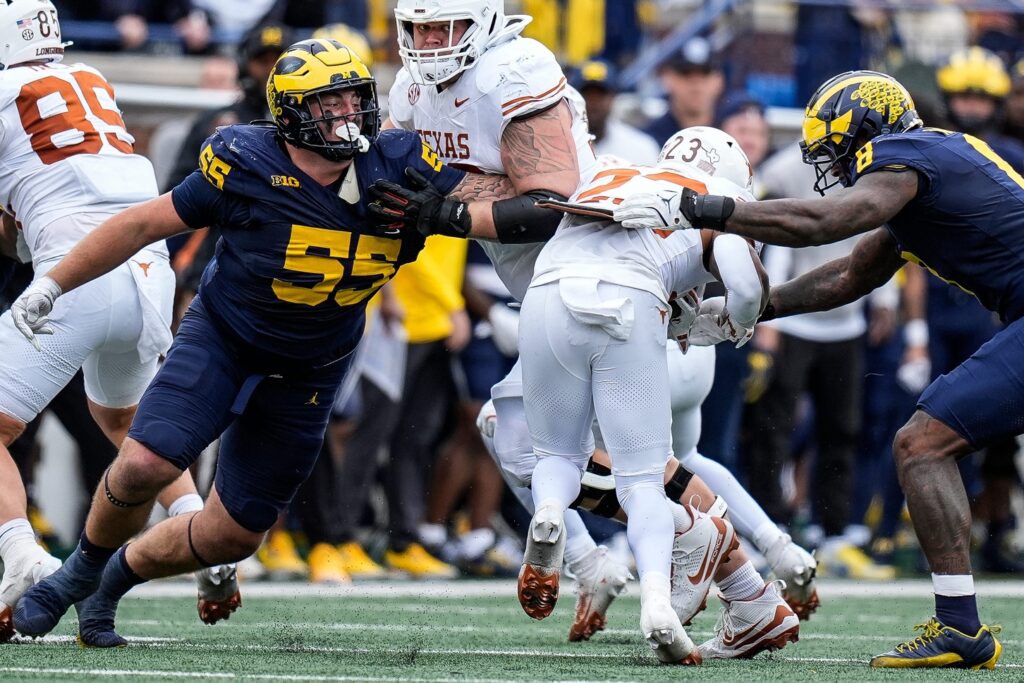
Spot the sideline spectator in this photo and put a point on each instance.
(693, 81)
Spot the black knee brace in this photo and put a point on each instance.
(675, 486)
(192, 546)
(597, 492)
(114, 500)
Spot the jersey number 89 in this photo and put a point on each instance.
(63, 120)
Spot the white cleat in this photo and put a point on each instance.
(747, 627)
(661, 627)
(219, 596)
(542, 561)
(796, 567)
(696, 555)
(26, 566)
(600, 580)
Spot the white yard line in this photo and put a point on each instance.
(432, 590)
(125, 673)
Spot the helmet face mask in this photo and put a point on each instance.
(846, 113)
(437, 65)
(323, 99)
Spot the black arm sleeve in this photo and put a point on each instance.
(520, 221)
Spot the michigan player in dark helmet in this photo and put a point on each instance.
(948, 202)
(269, 337)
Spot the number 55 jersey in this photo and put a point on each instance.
(64, 151)
(297, 261)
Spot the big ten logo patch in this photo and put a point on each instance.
(284, 181)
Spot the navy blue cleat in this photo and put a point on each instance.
(941, 646)
(96, 622)
(42, 606)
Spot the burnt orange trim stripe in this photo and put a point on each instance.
(532, 100)
(514, 100)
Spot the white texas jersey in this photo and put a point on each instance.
(464, 123)
(664, 263)
(64, 150)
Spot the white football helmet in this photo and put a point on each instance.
(488, 26)
(29, 31)
(710, 151)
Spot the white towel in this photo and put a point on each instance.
(614, 316)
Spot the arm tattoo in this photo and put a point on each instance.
(873, 261)
(540, 145)
(477, 187)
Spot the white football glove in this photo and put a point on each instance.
(913, 376)
(504, 329)
(657, 210)
(684, 312)
(714, 325)
(30, 310)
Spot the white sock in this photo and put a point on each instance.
(681, 519)
(476, 542)
(432, 534)
(190, 502)
(766, 535)
(744, 512)
(14, 533)
(742, 584)
(555, 479)
(953, 585)
(578, 542)
(655, 586)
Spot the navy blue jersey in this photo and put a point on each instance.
(966, 224)
(296, 262)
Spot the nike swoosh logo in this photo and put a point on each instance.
(459, 103)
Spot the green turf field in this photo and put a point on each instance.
(475, 631)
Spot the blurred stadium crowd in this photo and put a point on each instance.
(804, 415)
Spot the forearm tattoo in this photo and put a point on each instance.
(476, 187)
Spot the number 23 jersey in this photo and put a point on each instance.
(297, 261)
(64, 150)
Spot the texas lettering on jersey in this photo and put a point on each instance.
(447, 145)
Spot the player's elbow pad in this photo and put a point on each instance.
(740, 276)
(520, 221)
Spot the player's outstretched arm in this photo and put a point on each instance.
(116, 240)
(872, 202)
(873, 261)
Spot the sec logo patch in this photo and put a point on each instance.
(414, 93)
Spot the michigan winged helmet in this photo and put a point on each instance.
(303, 81)
(845, 113)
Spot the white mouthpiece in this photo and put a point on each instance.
(350, 132)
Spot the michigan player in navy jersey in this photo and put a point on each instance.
(269, 337)
(948, 202)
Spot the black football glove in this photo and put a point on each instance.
(422, 208)
(706, 210)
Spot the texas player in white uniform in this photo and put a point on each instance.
(488, 100)
(592, 340)
(66, 165)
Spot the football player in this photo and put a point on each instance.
(592, 339)
(951, 204)
(267, 341)
(68, 165)
(488, 99)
